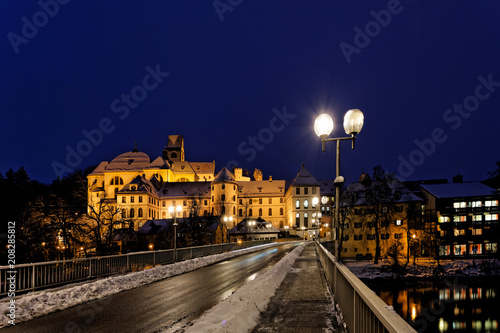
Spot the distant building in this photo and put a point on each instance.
(253, 229)
(466, 218)
(143, 189)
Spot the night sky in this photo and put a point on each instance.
(244, 80)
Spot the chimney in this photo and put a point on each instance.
(458, 178)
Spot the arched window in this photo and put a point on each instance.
(281, 211)
(306, 204)
(164, 215)
(297, 204)
(270, 212)
(184, 214)
(116, 181)
(250, 212)
(234, 210)
(132, 212)
(223, 197)
(306, 220)
(173, 155)
(124, 213)
(223, 186)
(240, 212)
(260, 211)
(205, 212)
(139, 212)
(297, 219)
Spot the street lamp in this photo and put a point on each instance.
(174, 210)
(323, 126)
(226, 220)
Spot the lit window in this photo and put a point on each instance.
(476, 232)
(124, 200)
(399, 222)
(131, 199)
(140, 198)
(306, 220)
(460, 218)
(297, 219)
(306, 204)
(491, 203)
(476, 204)
(461, 204)
(297, 204)
(139, 212)
(442, 219)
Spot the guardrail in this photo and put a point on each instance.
(53, 273)
(363, 311)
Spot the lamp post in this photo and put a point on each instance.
(323, 126)
(226, 220)
(174, 210)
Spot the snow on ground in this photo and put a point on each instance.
(240, 311)
(425, 269)
(39, 303)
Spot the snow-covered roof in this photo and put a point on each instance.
(304, 178)
(401, 193)
(175, 141)
(100, 168)
(185, 189)
(203, 167)
(262, 188)
(254, 226)
(132, 160)
(224, 176)
(159, 163)
(326, 187)
(180, 167)
(459, 190)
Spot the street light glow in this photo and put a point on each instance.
(353, 121)
(323, 125)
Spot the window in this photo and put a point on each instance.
(133, 188)
(260, 211)
(223, 197)
(398, 209)
(164, 203)
(399, 222)
(260, 201)
(475, 249)
(205, 202)
(116, 181)
(491, 203)
(306, 190)
(250, 213)
(124, 200)
(270, 212)
(314, 190)
(459, 250)
(297, 204)
(346, 238)
(241, 201)
(358, 211)
(476, 232)
(476, 204)
(131, 199)
(124, 213)
(491, 217)
(240, 212)
(370, 236)
(398, 236)
(249, 201)
(270, 201)
(281, 211)
(444, 250)
(358, 225)
(306, 220)
(297, 190)
(139, 212)
(306, 204)
(297, 219)
(443, 219)
(132, 212)
(223, 186)
(491, 247)
(460, 218)
(281, 200)
(358, 237)
(461, 204)
(140, 198)
(384, 236)
(234, 198)
(184, 203)
(477, 217)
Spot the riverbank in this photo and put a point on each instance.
(425, 270)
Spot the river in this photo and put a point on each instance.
(470, 305)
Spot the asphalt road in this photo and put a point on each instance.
(165, 305)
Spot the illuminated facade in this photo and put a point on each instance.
(143, 189)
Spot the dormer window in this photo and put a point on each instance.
(133, 188)
(130, 161)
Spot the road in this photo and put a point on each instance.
(167, 304)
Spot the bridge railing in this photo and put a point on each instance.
(363, 311)
(25, 277)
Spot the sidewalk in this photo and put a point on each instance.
(302, 302)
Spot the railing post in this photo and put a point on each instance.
(90, 268)
(33, 278)
(128, 263)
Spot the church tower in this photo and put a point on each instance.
(175, 148)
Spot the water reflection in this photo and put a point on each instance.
(448, 307)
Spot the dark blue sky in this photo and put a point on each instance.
(426, 76)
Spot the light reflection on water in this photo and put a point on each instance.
(450, 307)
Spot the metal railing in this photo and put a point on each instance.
(363, 311)
(55, 273)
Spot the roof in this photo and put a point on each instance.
(185, 189)
(400, 192)
(224, 176)
(304, 178)
(159, 163)
(262, 188)
(459, 190)
(180, 167)
(100, 168)
(132, 160)
(254, 226)
(203, 167)
(326, 187)
(175, 141)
